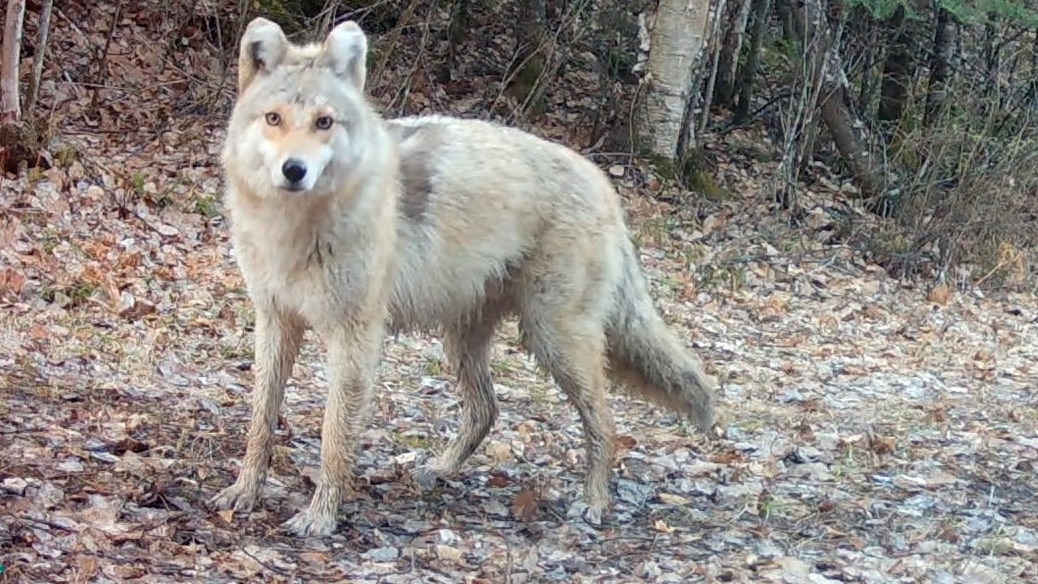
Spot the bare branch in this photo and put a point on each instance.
(41, 49)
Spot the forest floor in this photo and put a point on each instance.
(878, 430)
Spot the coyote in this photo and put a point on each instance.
(357, 226)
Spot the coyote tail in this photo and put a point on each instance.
(646, 356)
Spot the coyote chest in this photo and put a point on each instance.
(307, 268)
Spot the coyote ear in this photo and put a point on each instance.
(262, 47)
(345, 52)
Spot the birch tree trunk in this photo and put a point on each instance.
(10, 105)
(677, 38)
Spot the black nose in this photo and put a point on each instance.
(294, 170)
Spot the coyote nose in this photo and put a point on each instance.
(294, 170)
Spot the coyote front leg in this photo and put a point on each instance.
(277, 341)
(352, 360)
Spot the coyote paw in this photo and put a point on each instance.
(593, 515)
(306, 524)
(239, 496)
(592, 510)
(427, 476)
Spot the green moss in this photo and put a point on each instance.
(692, 174)
(702, 183)
(206, 206)
(415, 442)
(66, 156)
(434, 367)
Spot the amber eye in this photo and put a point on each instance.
(323, 122)
(273, 118)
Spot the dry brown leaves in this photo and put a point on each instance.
(877, 431)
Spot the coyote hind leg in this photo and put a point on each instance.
(571, 348)
(468, 349)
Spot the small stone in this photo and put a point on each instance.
(448, 553)
(382, 554)
(406, 458)
(15, 485)
(447, 536)
(71, 465)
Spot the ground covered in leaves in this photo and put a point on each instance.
(877, 430)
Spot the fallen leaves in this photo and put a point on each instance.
(526, 505)
(940, 294)
(876, 433)
(227, 515)
(11, 283)
(662, 527)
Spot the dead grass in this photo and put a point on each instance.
(967, 192)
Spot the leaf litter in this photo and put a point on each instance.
(876, 431)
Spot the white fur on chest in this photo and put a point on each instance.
(299, 261)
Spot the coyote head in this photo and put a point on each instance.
(299, 123)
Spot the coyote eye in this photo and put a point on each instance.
(273, 118)
(323, 122)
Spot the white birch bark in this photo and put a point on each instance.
(677, 38)
(10, 105)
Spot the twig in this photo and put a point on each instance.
(72, 24)
(390, 40)
(719, 42)
(752, 118)
(22, 431)
(101, 69)
(792, 257)
(1001, 264)
(41, 50)
(45, 523)
(549, 47)
(265, 564)
(404, 90)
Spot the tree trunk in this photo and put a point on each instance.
(677, 38)
(459, 22)
(41, 50)
(940, 65)
(731, 48)
(1032, 86)
(992, 52)
(711, 48)
(862, 31)
(897, 72)
(835, 113)
(10, 104)
(531, 60)
(760, 11)
(841, 123)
